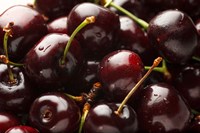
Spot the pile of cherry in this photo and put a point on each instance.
(82, 66)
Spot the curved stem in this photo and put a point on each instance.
(155, 64)
(87, 21)
(163, 69)
(139, 21)
(196, 58)
(75, 98)
(5, 45)
(86, 109)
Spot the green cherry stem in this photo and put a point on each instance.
(195, 112)
(141, 22)
(86, 109)
(8, 32)
(196, 58)
(163, 69)
(75, 98)
(87, 21)
(155, 64)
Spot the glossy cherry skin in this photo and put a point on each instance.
(54, 9)
(58, 25)
(16, 97)
(102, 119)
(22, 129)
(133, 38)
(43, 62)
(187, 82)
(54, 112)
(119, 71)
(96, 39)
(7, 121)
(161, 109)
(29, 27)
(174, 35)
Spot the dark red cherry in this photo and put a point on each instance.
(58, 25)
(43, 62)
(174, 35)
(102, 119)
(7, 121)
(133, 38)
(22, 129)
(160, 109)
(54, 113)
(29, 27)
(18, 96)
(119, 71)
(187, 82)
(54, 9)
(97, 39)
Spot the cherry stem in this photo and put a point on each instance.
(8, 32)
(139, 21)
(87, 21)
(86, 109)
(162, 69)
(195, 112)
(155, 64)
(5, 60)
(75, 98)
(196, 58)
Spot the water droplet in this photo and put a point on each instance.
(41, 48)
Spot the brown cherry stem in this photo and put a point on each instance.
(87, 21)
(155, 64)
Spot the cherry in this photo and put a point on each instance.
(97, 39)
(54, 112)
(22, 129)
(54, 9)
(56, 59)
(102, 119)
(16, 92)
(29, 27)
(160, 109)
(7, 120)
(133, 38)
(187, 83)
(112, 117)
(176, 39)
(58, 25)
(119, 71)
(42, 63)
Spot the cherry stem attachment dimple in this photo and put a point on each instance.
(8, 33)
(139, 21)
(155, 64)
(87, 21)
